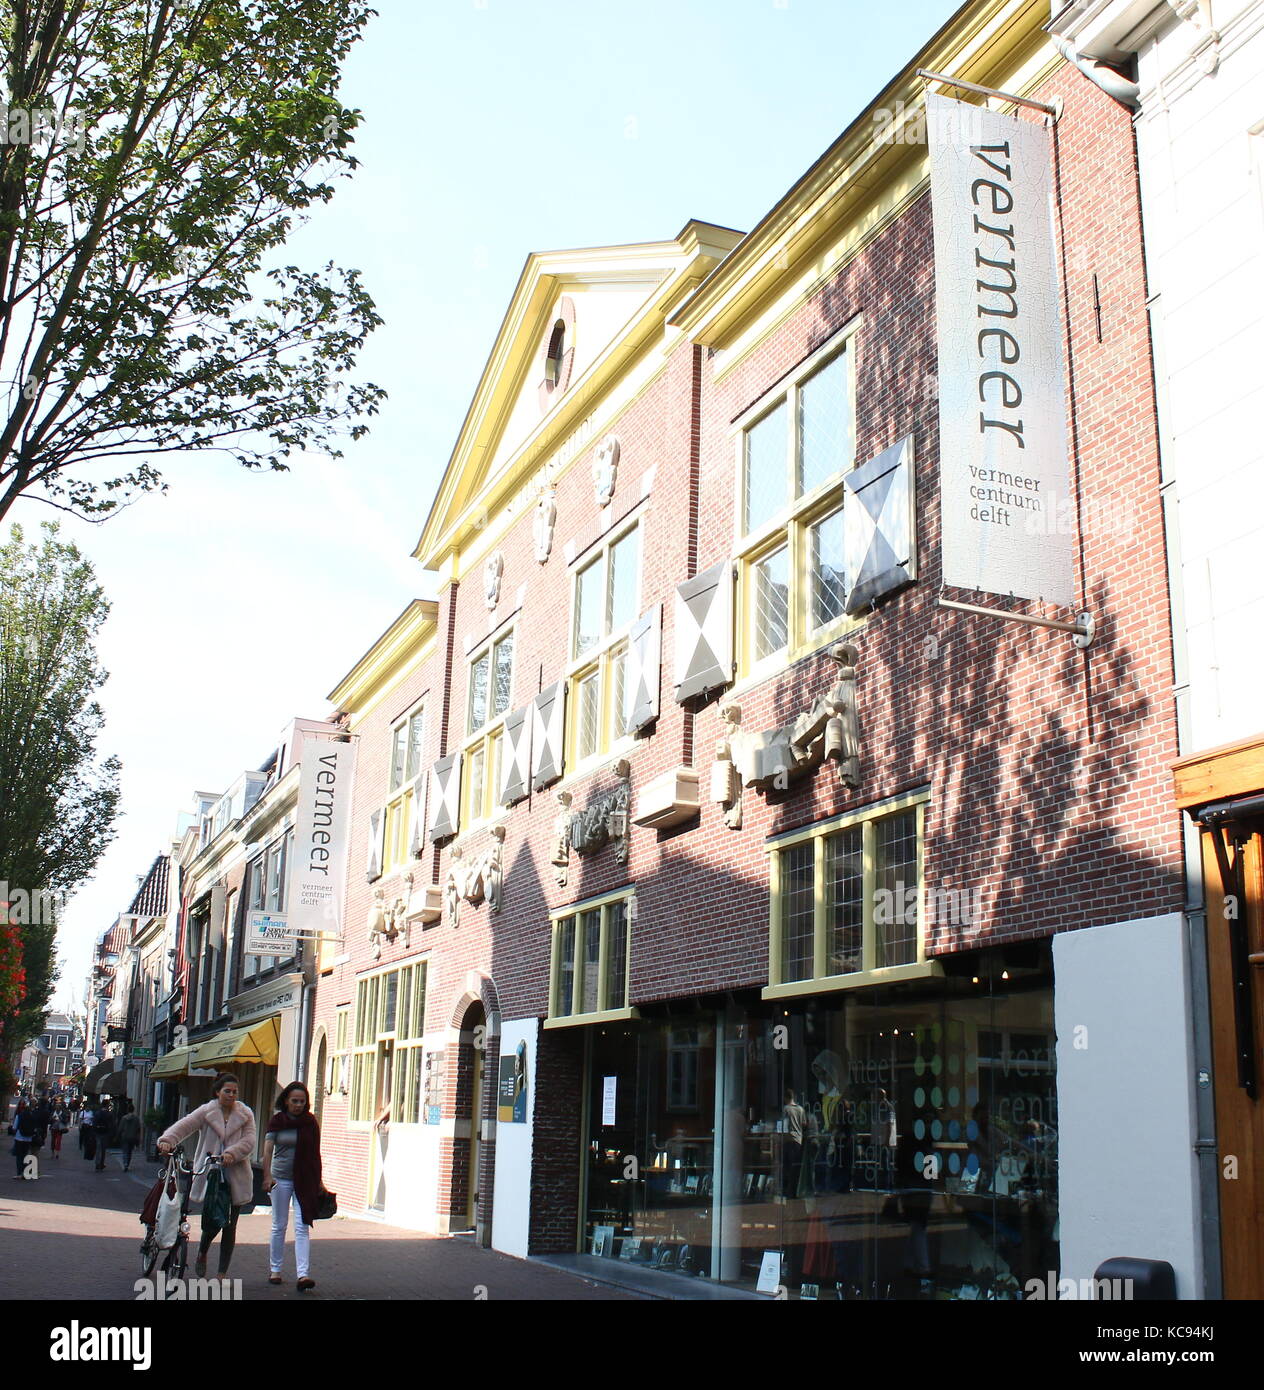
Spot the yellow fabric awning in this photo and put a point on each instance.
(173, 1063)
(259, 1043)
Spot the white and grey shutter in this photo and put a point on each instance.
(515, 757)
(446, 777)
(878, 526)
(373, 868)
(704, 632)
(641, 673)
(418, 842)
(548, 730)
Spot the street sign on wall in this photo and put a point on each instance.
(268, 934)
(1004, 479)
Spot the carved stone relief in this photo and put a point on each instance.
(606, 469)
(562, 839)
(603, 821)
(476, 880)
(768, 760)
(388, 921)
(545, 520)
(493, 573)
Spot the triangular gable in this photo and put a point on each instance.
(602, 303)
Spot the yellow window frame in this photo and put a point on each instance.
(398, 810)
(870, 973)
(478, 807)
(606, 1010)
(609, 706)
(603, 658)
(791, 525)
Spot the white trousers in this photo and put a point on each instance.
(282, 1195)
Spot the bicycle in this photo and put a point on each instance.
(176, 1262)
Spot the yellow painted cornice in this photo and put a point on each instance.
(407, 641)
(468, 496)
(272, 807)
(863, 180)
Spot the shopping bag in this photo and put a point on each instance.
(217, 1207)
(167, 1225)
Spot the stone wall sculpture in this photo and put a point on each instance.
(606, 469)
(561, 856)
(493, 573)
(476, 880)
(605, 819)
(545, 521)
(388, 921)
(767, 760)
(379, 922)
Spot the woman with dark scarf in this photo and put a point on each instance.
(292, 1173)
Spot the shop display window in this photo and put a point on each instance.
(880, 1144)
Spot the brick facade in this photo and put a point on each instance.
(1045, 765)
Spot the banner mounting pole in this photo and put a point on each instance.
(1083, 630)
(1054, 111)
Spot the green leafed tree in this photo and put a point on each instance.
(58, 799)
(154, 155)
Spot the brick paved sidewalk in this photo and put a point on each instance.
(75, 1234)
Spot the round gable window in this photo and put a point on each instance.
(553, 357)
(559, 354)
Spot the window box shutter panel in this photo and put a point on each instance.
(446, 775)
(704, 632)
(641, 677)
(878, 526)
(515, 758)
(548, 730)
(419, 817)
(373, 869)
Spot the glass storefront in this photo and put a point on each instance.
(873, 1144)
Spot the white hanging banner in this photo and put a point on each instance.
(1004, 479)
(322, 829)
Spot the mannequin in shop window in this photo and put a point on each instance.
(794, 1119)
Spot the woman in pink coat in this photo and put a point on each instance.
(227, 1127)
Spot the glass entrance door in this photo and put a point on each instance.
(650, 1154)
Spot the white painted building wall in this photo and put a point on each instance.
(1200, 150)
(1200, 141)
(511, 1208)
(1127, 1175)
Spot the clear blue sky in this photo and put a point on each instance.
(493, 128)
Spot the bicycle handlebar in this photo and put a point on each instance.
(178, 1158)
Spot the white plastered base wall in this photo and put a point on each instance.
(1127, 1174)
(511, 1213)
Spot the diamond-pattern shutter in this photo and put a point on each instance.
(446, 777)
(515, 757)
(548, 729)
(878, 525)
(373, 867)
(704, 631)
(418, 842)
(641, 676)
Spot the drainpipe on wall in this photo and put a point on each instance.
(305, 1013)
(1120, 88)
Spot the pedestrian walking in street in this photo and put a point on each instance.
(43, 1118)
(87, 1135)
(60, 1124)
(292, 1175)
(227, 1127)
(128, 1134)
(103, 1129)
(25, 1137)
